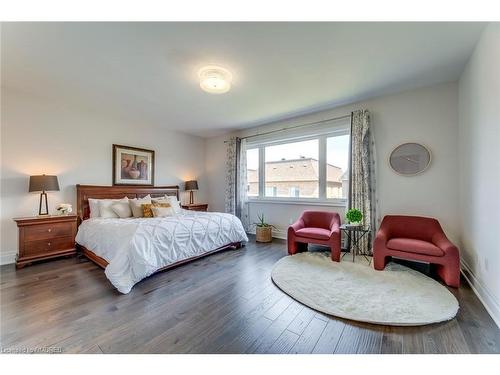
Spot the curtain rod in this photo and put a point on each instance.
(296, 126)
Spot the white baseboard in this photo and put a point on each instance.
(490, 304)
(8, 257)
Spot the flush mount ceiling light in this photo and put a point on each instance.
(215, 80)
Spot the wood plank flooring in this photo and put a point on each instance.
(224, 303)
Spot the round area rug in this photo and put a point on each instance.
(397, 296)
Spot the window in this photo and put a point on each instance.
(253, 172)
(301, 167)
(292, 164)
(295, 191)
(337, 161)
(271, 191)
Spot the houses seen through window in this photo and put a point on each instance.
(292, 165)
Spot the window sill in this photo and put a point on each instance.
(332, 203)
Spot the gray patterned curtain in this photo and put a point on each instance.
(232, 151)
(236, 200)
(362, 180)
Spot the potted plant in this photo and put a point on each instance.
(263, 230)
(354, 217)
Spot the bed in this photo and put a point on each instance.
(132, 249)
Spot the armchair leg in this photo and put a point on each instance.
(292, 247)
(335, 254)
(379, 261)
(449, 274)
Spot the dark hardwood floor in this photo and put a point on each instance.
(224, 303)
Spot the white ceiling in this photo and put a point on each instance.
(147, 72)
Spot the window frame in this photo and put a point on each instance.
(322, 155)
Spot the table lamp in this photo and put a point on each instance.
(43, 183)
(191, 186)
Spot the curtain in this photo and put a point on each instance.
(242, 189)
(236, 199)
(362, 194)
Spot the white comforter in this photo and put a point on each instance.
(137, 247)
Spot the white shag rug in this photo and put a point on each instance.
(397, 296)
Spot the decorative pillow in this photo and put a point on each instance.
(136, 205)
(105, 210)
(147, 208)
(122, 209)
(162, 211)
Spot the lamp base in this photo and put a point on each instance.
(40, 213)
(191, 197)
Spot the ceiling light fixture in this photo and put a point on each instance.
(215, 80)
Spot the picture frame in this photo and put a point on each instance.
(133, 166)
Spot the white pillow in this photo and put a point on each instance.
(136, 205)
(122, 209)
(94, 207)
(162, 211)
(174, 203)
(105, 210)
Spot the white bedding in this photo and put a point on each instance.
(137, 247)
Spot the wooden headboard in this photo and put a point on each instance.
(84, 192)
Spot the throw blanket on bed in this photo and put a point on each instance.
(137, 247)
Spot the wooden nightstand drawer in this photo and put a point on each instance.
(48, 245)
(46, 231)
(196, 207)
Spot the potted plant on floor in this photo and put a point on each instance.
(354, 217)
(263, 230)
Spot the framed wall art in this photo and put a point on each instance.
(133, 166)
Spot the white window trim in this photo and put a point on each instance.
(322, 200)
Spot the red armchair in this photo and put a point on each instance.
(318, 227)
(417, 238)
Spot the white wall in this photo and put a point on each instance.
(39, 136)
(428, 115)
(479, 136)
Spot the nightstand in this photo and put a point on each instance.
(196, 207)
(45, 237)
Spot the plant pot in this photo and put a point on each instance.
(264, 234)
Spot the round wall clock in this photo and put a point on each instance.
(410, 159)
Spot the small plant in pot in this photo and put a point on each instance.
(263, 230)
(354, 217)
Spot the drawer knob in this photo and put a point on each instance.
(48, 243)
(49, 230)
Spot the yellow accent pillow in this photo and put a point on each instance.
(148, 212)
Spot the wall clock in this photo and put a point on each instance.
(410, 159)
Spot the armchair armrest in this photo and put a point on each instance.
(381, 238)
(334, 228)
(299, 224)
(440, 240)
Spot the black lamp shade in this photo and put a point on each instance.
(43, 183)
(192, 185)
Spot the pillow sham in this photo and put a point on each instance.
(174, 203)
(94, 207)
(136, 205)
(122, 209)
(147, 208)
(162, 211)
(105, 210)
